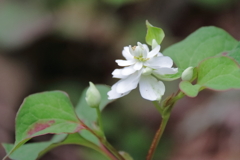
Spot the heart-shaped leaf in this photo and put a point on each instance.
(43, 113)
(219, 73)
(204, 43)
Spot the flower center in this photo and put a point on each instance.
(141, 59)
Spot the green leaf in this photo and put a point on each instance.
(154, 33)
(26, 152)
(88, 114)
(219, 73)
(43, 113)
(204, 43)
(32, 151)
(189, 89)
(235, 53)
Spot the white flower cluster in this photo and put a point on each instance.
(141, 66)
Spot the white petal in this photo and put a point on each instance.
(150, 88)
(138, 66)
(163, 71)
(146, 47)
(159, 54)
(126, 54)
(129, 83)
(154, 52)
(131, 50)
(137, 51)
(139, 44)
(159, 62)
(124, 62)
(113, 94)
(127, 70)
(117, 73)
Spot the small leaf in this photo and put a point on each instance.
(31, 151)
(43, 113)
(235, 53)
(219, 73)
(154, 33)
(189, 89)
(28, 151)
(204, 43)
(88, 114)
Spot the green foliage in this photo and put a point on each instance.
(28, 151)
(88, 114)
(219, 73)
(52, 112)
(189, 89)
(235, 53)
(154, 33)
(204, 43)
(31, 151)
(43, 113)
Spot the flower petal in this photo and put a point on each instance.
(138, 66)
(159, 54)
(150, 88)
(129, 83)
(160, 62)
(117, 73)
(124, 62)
(127, 70)
(126, 54)
(154, 52)
(113, 94)
(146, 47)
(163, 71)
(137, 51)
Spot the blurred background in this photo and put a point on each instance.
(63, 44)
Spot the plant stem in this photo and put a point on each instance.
(105, 145)
(165, 112)
(112, 149)
(100, 121)
(157, 137)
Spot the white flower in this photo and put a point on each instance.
(141, 66)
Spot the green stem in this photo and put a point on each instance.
(157, 137)
(156, 104)
(165, 111)
(100, 120)
(112, 149)
(106, 144)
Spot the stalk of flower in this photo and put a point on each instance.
(142, 67)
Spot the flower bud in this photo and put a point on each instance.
(93, 96)
(187, 74)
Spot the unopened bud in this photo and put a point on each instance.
(187, 74)
(93, 97)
